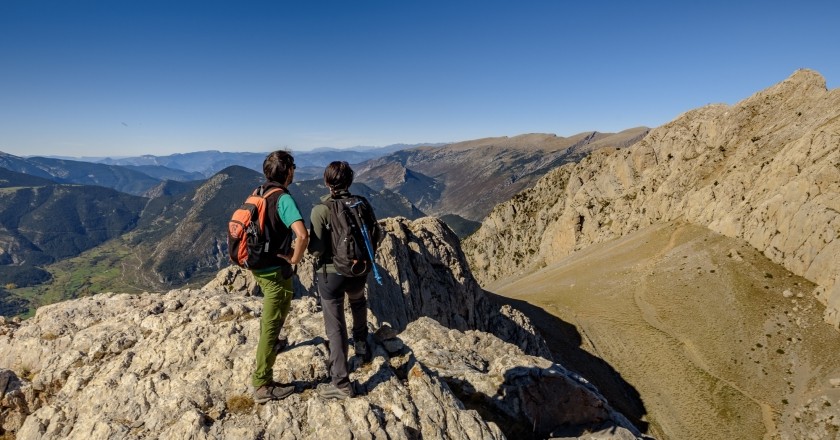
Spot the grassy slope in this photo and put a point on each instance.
(707, 340)
(94, 271)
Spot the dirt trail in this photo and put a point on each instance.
(691, 351)
(708, 342)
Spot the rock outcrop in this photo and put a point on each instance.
(177, 365)
(766, 170)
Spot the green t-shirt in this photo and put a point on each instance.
(287, 210)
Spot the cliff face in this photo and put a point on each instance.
(766, 170)
(177, 365)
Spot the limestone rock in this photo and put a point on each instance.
(184, 373)
(235, 280)
(178, 365)
(13, 401)
(531, 395)
(766, 170)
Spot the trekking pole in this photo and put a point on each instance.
(368, 244)
(317, 292)
(369, 247)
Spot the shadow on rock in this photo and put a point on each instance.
(527, 397)
(564, 342)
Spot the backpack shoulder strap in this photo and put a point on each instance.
(272, 191)
(264, 193)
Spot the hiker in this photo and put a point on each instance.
(333, 286)
(275, 278)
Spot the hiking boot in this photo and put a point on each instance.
(273, 391)
(362, 350)
(281, 343)
(330, 391)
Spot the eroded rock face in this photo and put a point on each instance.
(178, 365)
(766, 170)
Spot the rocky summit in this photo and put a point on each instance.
(765, 170)
(447, 363)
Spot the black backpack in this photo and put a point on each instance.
(249, 243)
(354, 235)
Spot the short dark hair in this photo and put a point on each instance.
(276, 166)
(338, 175)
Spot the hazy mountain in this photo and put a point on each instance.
(166, 173)
(15, 249)
(321, 157)
(14, 275)
(12, 179)
(686, 250)
(469, 178)
(24, 166)
(208, 163)
(84, 173)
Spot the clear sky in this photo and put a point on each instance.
(131, 77)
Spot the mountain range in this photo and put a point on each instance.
(89, 238)
(164, 229)
(210, 162)
(42, 222)
(122, 179)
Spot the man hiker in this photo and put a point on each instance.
(275, 276)
(333, 286)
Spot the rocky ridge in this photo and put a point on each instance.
(766, 170)
(177, 365)
(469, 178)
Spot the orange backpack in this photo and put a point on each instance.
(248, 239)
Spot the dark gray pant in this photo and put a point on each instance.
(332, 288)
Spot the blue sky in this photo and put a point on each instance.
(130, 77)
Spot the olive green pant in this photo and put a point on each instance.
(277, 298)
